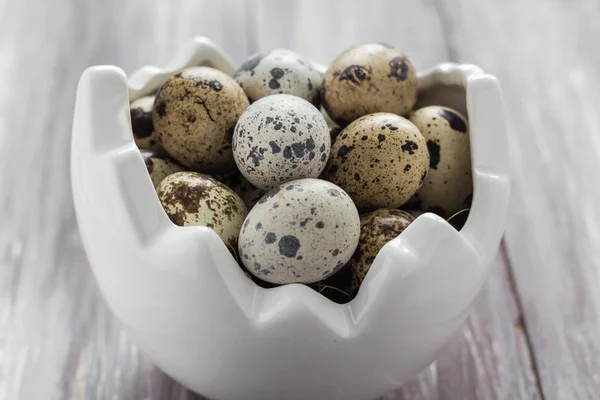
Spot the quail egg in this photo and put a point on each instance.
(369, 78)
(194, 115)
(190, 198)
(380, 160)
(376, 229)
(280, 138)
(302, 231)
(448, 187)
(141, 124)
(159, 166)
(279, 71)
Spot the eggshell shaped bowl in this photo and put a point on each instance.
(183, 299)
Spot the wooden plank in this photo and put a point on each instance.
(541, 53)
(322, 30)
(57, 339)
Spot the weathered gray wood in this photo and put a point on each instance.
(57, 338)
(550, 76)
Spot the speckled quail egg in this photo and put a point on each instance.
(159, 166)
(141, 124)
(376, 229)
(448, 187)
(248, 192)
(280, 138)
(302, 231)
(380, 160)
(369, 78)
(191, 198)
(279, 71)
(194, 115)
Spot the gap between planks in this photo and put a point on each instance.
(522, 321)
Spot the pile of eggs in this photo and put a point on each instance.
(304, 176)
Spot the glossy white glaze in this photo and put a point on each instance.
(188, 305)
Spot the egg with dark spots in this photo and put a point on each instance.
(194, 199)
(194, 115)
(366, 79)
(159, 166)
(380, 160)
(280, 138)
(448, 187)
(141, 124)
(300, 232)
(376, 229)
(279, 71)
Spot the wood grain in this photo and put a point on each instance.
(551, 84)
(59, 341)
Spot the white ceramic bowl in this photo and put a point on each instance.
(186, 303)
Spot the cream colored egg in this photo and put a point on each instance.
(366, 79)
(380, 160)
(194, 199)
(280, 138)
(159, 166)
(448, 187)
(194, 115)
(376, 229)
(279, 71)
(302, 231)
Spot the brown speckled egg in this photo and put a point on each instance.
(380, 160)
(193, 199)
(141, 124)
(159, 166)
(448, 187)
(279, 71)
(376, 229)
(302, 231)
(280, 138)
(194, 115)
(366, 79)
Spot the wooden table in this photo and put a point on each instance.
(535, 329)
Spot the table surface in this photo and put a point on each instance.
(534, 332)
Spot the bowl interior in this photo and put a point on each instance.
(442, 94)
